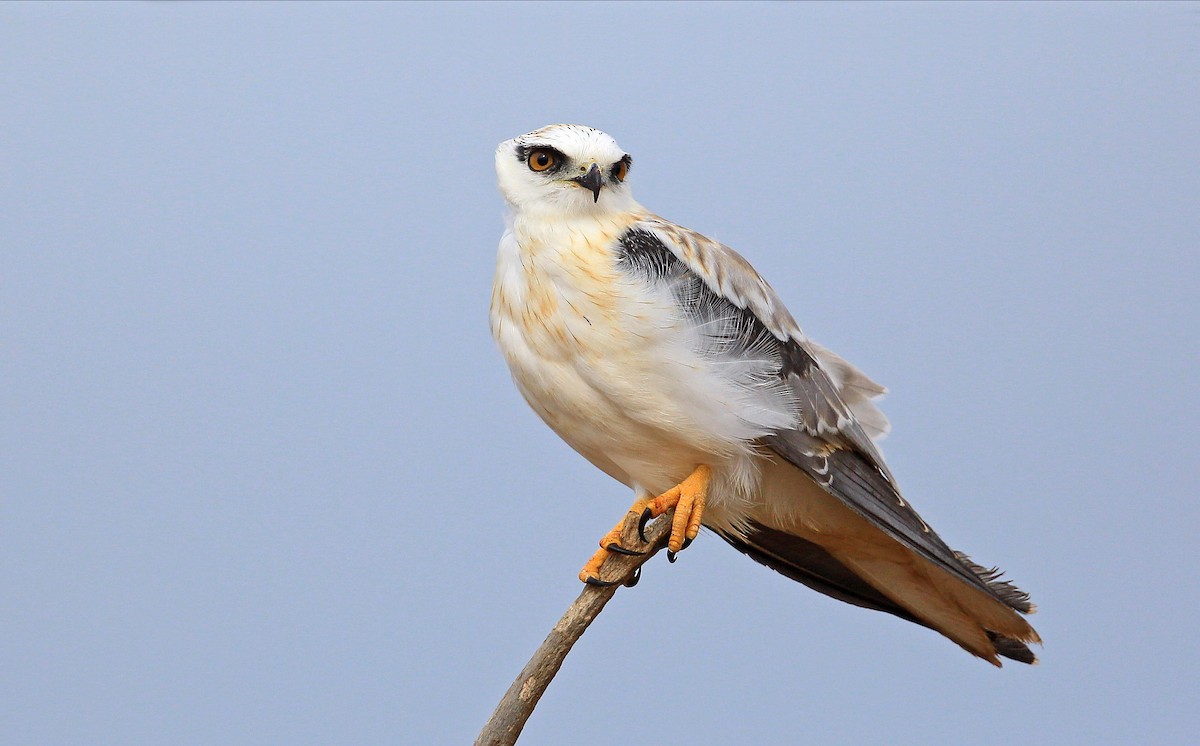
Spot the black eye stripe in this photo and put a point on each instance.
(625, 161)
(534, 156)
(560, 160)
(523, 152)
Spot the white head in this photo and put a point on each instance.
(564, 168)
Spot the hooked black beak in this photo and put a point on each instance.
(592, 180)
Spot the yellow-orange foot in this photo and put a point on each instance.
(611, 544)
(687, 497)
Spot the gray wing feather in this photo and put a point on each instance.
(828, 441)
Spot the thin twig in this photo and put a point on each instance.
(518, 702)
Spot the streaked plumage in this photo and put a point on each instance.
(652, 349)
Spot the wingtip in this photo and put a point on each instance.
(1004, 590)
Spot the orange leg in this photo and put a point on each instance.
(687, 497)
(610, 543)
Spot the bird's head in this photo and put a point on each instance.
(564, 168)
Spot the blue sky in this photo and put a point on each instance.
(264, 476)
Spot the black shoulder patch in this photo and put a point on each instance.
(643, 254)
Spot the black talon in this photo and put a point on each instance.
(686, 543)
(616, 548)
(633, 580)
(671, 556)
(642, 524)
(601, 583)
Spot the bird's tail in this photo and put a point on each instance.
(807, 562)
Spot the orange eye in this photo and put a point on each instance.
(620, 170)
(542, 159)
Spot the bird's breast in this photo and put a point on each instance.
(592, 351)
(559, 291)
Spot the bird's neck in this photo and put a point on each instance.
(598, 228)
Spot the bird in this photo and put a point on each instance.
(663, 358)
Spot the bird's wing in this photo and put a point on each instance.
(834, 416)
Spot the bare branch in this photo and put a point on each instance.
(518, 702)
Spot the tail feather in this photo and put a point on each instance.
(1010, 648)
(809, 563)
